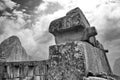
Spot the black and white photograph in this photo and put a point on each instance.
(59, 39)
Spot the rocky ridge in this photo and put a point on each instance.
(11, 50)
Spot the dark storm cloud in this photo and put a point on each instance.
(3, 7)
(28, 5)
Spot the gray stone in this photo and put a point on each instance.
(75, 35)
(96, 43)
(74, 19)
(94, 78)
(67, 62)
(72, 27)
(78, 56)
(116, 67)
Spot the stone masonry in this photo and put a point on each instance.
(77, 52)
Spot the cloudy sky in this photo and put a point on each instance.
(29, 20)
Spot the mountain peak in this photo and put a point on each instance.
(10, 40)
(11, 50)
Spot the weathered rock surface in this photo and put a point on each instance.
(67, 62)
(116, 67)
(75, 35)
(77, 50)
(72, 27)
(76, 57)
(74, 18)
(11, 50)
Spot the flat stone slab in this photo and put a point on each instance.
(75, 35)
(74, 19)
(95, 78)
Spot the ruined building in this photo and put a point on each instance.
(77, 55)
(15, 64)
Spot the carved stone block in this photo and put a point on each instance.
(77, 56)
(67, 62)
(73, 19)
(82, 34)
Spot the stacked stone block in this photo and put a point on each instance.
(77, 52)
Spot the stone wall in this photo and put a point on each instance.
(76, 58)
(33, 70)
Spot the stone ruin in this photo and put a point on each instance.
(77, 54)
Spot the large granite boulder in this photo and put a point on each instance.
(73, 19)
(75, 35)
(72, 27)
(77, 51)
(76, 59)
(11, 50)
(66, 62)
